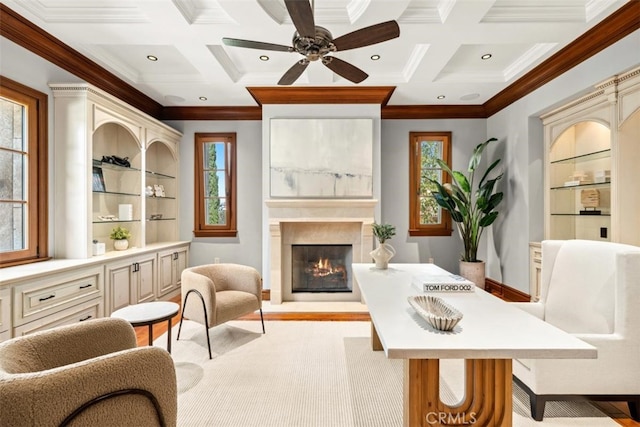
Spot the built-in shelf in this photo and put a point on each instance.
(589, 185)
(602, 154)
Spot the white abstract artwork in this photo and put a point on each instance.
(324, 158)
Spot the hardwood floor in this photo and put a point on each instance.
(618, 411)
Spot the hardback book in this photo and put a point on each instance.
(443, 283)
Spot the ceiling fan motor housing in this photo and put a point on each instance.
(314, 48)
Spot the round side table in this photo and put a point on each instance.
(148, 314)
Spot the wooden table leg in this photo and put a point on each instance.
(376, 345)
(150, 334)
(488, 400)
(169, 336)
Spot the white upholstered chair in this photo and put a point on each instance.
(590, 289)
(219, 293)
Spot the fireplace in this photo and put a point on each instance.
(321, 268)
(317, 222)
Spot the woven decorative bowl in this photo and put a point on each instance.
(434, 310)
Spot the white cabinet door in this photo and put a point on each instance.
(119, 285)
(145, 278)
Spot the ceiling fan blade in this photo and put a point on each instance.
(256, 45)
(346, 70)
(368, 35)
(294, 72)
(302, 17)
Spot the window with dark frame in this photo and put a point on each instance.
(426, 217)
(215, 185)
(23, 174)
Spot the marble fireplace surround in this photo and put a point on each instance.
(316, 221)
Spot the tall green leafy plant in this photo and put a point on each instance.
(472, 207)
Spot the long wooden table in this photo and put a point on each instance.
(491, 334)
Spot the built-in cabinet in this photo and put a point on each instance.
(59, 292)
(170, 266)
(131, 281)
(591, 174)
(114, 165)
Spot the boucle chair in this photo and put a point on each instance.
(225, 292)
(86, 374)
(590, 289)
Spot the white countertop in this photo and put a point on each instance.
(490, 329)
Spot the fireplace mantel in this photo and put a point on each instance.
(328, 216)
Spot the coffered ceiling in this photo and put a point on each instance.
(438, 52)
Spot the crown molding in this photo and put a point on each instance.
(613, 28)
(211, 113)
(616, 26)
(322, 95)
(33, 38)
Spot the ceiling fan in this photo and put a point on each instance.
(316, 43)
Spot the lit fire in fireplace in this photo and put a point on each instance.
(323, 268)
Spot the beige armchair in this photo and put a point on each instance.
(88, 373)
(225, 292)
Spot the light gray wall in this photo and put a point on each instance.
(31, 70)
(466, 134)
(246, 248)
(521, 130)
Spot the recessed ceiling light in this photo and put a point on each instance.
(486, 56)
(152, 58)
(203, 98)
(264, 58)
(441, 97)
(375, 57)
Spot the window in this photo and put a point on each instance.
(426, 217)
(23, 174)
(215, 185)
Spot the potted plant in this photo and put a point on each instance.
(384, 252)
(120, 237)
(472, 207)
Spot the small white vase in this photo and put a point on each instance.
(382, 254)
(473, 271)
(120, 245)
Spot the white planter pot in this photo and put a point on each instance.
(473, 271)
(120, 245)
(382, 254)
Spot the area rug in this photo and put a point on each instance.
(306, 373)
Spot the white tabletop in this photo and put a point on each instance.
(490, 329)
(147, 311)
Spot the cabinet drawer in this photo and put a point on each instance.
(5, 309)
(38, 299)
(5, 335)
(80, 313)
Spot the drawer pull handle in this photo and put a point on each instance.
(88, 285)
(85, 318)
(46, 298)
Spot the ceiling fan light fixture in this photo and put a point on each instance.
(486, 56)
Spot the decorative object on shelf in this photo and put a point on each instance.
(120, 237)
(125, 212)
(155, 217)
(590, 199)
(98, 180)
(434, 310)
(98, 248)
(472, 208)
(158, 190)
(148, 191)
(602, 176)
(118, 161)
(107, 218)
(384, 252)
